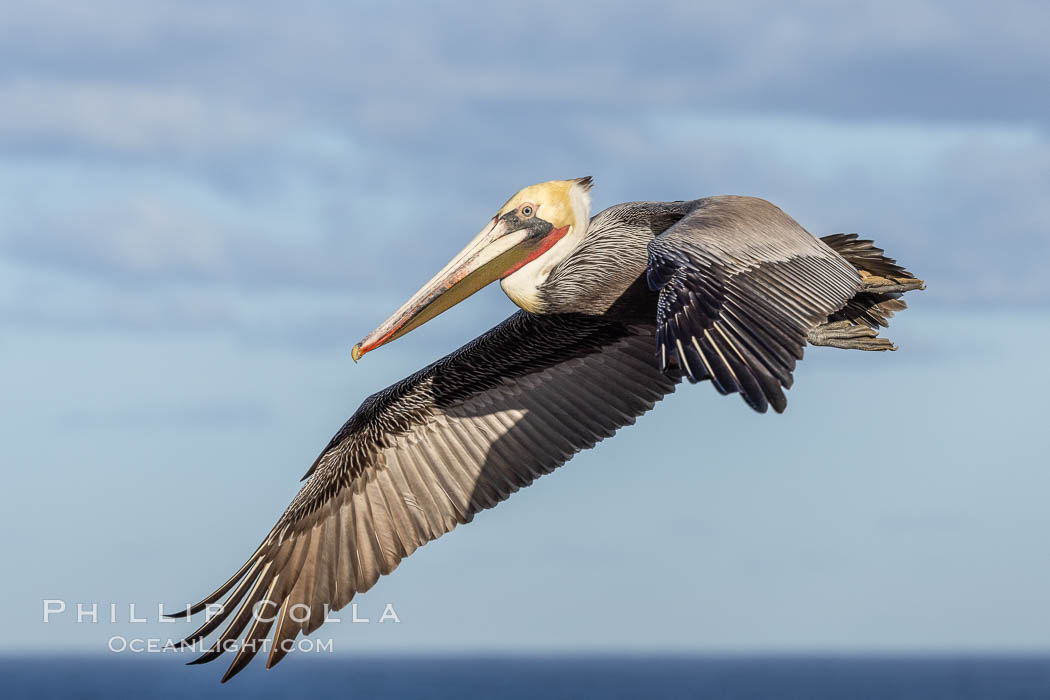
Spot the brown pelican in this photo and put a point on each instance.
(615, 311)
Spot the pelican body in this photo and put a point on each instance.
(616, 310)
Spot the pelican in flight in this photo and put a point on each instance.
(615, 311)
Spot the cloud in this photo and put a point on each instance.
(192, 166)
(145, 241)
(64, 305)
(391, 65)
(163, 254)
(119, 118)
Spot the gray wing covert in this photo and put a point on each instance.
(740, 286)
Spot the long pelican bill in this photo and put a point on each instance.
(492, 254)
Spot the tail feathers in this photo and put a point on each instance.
(884, 283)
(873, 310)
(865, 256)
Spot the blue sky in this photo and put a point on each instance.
(204, 205)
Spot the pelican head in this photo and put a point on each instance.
(530, 234)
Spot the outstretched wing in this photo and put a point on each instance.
(741, 285)
(426, 455)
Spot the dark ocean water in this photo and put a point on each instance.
(452, 678)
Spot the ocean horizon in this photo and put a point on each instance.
(741, 677)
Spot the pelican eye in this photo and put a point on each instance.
(527, 210)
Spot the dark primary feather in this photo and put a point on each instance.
(741, 285)
(428, 454)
